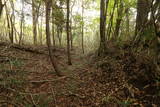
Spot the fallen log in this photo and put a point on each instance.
(22, 48)
(31, 49)
(27, 49)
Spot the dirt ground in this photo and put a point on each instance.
(27, 79)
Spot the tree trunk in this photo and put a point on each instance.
(22, 23)
(34, 22)
(119, 19)
(13, 21)
(12, 29)
(53, 36)
(109, 29)
(103, 13)
(1, 7)
(9, 24)
(71, 35)
(41, 31)
(49, 40)
(68, 36)
(82, 29)
(127, 21)
(71, 39)
(142, 15)
(59, 36)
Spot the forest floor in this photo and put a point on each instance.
(27, 79)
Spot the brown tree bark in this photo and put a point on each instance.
(127, 21)
(53, 36)
(119, 18)
(34, 22)
(41, 29)
(51, 55)
(13, 29)
(71, 35)
(110, 25)
(68, 34)
(9, 24)
(82, 29)
(21, 23)
(142, 15)
(59, 35)
(103, 13)
(1, 7)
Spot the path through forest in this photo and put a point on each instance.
(27, 79)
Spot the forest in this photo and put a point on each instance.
(79, 53)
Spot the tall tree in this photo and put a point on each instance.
(1, 7)
(110, 24)
(68, 34)
(127, 20)
(9, 24)
(82, 28)
(12, 18)
(103, 13)
(34, 22)
(21, 22)
(143, 8)
(51, 55)
(71, 33)
(119, 18)
(53, 16)
(41, 26)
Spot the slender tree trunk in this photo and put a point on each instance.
(51, 55)
(82, 29)
(68, 36)
(127, 21)
(41, 30)
(12, 29)
(12, 21)
(60, 33)
(1, 7)
(9, 24)
(142, 15)
(53, 36)
(103, 13)
(71, 39)
(22, 23)
(59, 36)
(119, 19)
(71, 35)
(39, 33)
(34, 22)
(111, 20)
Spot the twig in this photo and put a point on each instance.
(49, 80)
(77, 95)
(26, 99)
(33, 100)
(54, 96)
